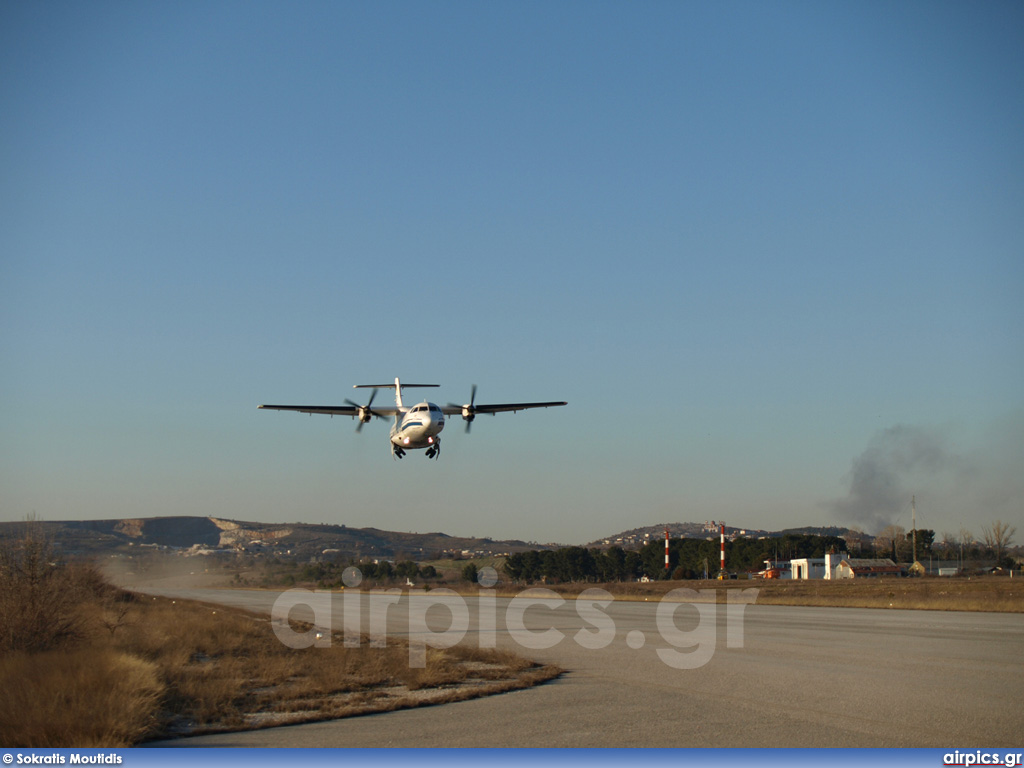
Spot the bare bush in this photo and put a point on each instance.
(42, 599)
(998, 538)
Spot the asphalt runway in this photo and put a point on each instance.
(670, 674)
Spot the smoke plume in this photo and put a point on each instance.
(879, 475)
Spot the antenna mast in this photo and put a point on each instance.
(913, 517)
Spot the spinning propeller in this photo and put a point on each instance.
(468, 410)
(365, 412)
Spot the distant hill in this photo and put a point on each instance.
(212, 534)
(638, 537)
(820, 530)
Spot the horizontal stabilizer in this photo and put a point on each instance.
(390, 386)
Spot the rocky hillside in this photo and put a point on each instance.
(104, 537)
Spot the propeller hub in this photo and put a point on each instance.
(364, 412)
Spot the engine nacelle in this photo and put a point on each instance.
(468, 413)
(365, 415)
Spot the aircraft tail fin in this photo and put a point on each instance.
(397, 386)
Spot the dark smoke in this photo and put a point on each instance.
(878, 477)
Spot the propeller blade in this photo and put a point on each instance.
(468, 409)
(365, 409)
(472, 409)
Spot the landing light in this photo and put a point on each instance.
(430, 439)
(407, 441)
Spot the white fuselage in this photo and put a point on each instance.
(418, 426)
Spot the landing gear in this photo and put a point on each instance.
(433, 451)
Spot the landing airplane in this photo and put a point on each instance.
(417, 426)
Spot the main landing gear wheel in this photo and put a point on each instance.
(434, 451)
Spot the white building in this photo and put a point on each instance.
(816, 567)
(807, 568)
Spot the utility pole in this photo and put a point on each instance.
(913, 517)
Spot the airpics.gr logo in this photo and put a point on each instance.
(368, 613)
(977, 757)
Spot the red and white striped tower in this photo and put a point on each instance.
(721, 528)
(666, 547)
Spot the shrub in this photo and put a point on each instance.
(42, 600)
(89, 697)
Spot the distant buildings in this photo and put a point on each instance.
(842, 566)
(861, 568)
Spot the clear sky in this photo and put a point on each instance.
(771, 253)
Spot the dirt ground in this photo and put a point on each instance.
(999, 593)
(984, 593)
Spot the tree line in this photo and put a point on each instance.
(699, 558)
(688, 559)
(995, 544)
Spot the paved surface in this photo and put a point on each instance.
(804, 677)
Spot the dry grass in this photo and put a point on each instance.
(83, 664)
(994, 594)
(289, 686)
(985, 593)
(154, 668)
(224, 669)
(86, 697)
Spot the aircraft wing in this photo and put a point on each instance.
(332, 410)
(457, 410)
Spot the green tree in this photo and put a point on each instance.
(514, 566)
(532, 566)
(925, 542)
(407, 569)
(633, 565)
(576, 564)
(615, 564)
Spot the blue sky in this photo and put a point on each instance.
(760, 248)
